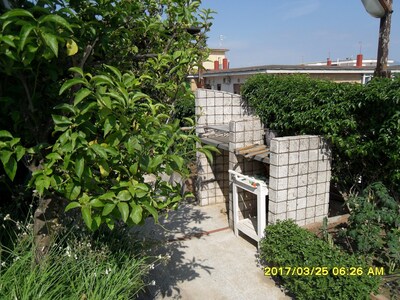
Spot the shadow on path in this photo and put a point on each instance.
(168, 240)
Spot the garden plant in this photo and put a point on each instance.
(89, 123)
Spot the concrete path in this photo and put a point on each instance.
(207, 261)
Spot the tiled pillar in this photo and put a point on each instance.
(300, 172)
(244, 132)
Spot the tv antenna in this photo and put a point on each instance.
(221, 40)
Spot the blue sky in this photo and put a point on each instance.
(261, 32)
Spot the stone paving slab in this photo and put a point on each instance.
(207, 260)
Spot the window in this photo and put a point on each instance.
(236, 88)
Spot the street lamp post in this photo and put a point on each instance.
(381, 9)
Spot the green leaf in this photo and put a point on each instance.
(5, 156)
(11, 168)
(99, 150)
(25, 32)
(80, 95)
(77, 70)
(110, 223)
(51, 41)
(139, 96)
(72, 205)
(109, 124)
(61, 120)
(96, 222)
(134, 168)
(207, 153)
(8, 40)
(124, 195)
(69, 83)
(124, 210)
(115, 71)
(14, 141)
(176, 54)
(136, 213)
(108, 208)
(96, 202)
(6, 23)
(11, 55)
(102, 79)
(66, 107)
(142, 186)
(87, 215)
(152, 211)
(105, 101)
(56, 19)
(19, 152)
(18, 12)
(177, 160)
(5, 133)
(72, 191)
(79, 166)
(42, 182)
(116, 96)
(107, 196)
(156, 161)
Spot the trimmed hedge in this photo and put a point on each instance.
(361, 122)
(287, 245)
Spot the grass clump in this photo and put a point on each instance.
(78, 266)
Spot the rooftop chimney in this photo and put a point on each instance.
(359, 63)
(225, 64)
(216, 65)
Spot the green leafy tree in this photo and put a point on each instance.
(103, 135)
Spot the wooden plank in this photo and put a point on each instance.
(257, 153)
(245, 148)
(254, 149)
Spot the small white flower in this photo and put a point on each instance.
(159, 257)
(16, 258)
(3, 264)
(153, 282)
(7, 217)
(152, 267)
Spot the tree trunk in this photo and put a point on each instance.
(46, 225)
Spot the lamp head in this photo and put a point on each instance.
(375, 8)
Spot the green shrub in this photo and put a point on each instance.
(287, 245)
(374, 226)
(361, 122)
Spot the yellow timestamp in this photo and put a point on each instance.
(323, 271)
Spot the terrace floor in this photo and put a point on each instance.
(207, 260)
